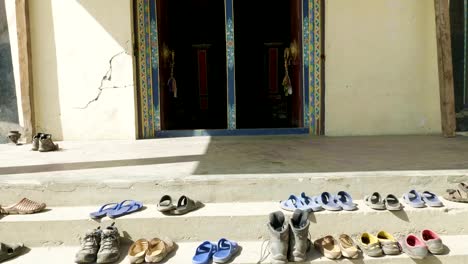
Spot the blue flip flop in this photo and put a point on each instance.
(204, 253)
(327, 200)
(124, 208)
(293, 203)
(413, 199)
(345, 200)
(225, 251)
(311, 202)
(104, 210)
(431, 199)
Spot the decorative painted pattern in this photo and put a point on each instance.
(230, 43)
(154, 44)
(310, 53)
(318, 67)
(230, 61)
(305, 63)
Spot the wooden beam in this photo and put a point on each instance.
(444, 52)
(25, 67)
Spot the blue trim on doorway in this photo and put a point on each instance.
(229, 132)
(305, 62)
(230, 65)
(155, 65)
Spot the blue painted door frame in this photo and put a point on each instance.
(149, 82)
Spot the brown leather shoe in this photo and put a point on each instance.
(46, 144)
(35, 141)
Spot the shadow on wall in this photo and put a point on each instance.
(9, 119)
(45, 80)
(110, 15)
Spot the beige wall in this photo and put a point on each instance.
(381, 68)
(72, 44)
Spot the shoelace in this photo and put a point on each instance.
(89, 241)
(264, 253)
(108, 241)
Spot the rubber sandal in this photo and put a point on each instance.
(165, 204)
(25, 206)
(413, 199)
(125, 207)
(392, 203)
(345, 200)
(327, 201)
(204, 253)
(293, 203)
(375, 201)
(158, 249)
(186, 205)
(104, 210)
(225, 251)
(460, 195)
(137, 251)
(311, 202)
(431, 199)
(8, 251)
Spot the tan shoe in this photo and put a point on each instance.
(137, 251)
(25, 206)
(158, 249)
(46, 144)
(328, 247)
(348, 247)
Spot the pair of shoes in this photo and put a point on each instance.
(459, 195)
(43, 143)
(152, 251)
(377, 246)
(9, 251)
(333, 249)
(289, 239)
(419, 200)
(114, 210)
(376, 202)
(341, 201)
(100, 246)
(184, 205)
(222, 252)
(25, 206)
(418, 248)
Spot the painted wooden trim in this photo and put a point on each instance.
(444, 51)
(231, 132)
(230, 64)
(25, 67)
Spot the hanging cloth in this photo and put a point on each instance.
(172, 84)
(286, 80)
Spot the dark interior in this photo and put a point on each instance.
(195, 31)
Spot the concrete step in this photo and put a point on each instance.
(96, 186)
(240, 221)
(250, 254)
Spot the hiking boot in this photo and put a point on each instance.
(370, 245)
(279, 238)
(299, 244)
(414, 247)
(433, 242)
(388, 243)
(89, 247)
(109, 250)
(46, 144)
(35, 141)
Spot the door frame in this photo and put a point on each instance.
(148, 84)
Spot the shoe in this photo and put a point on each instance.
(204, 253)
(348, 247)
(345, 201)
(9, 251)
(89, 247)
(109, 250)
(137, 251)
(279, 238)
(431, 199)
(24, 206)
(328, 247)
(375, 201)
(46, 144)
(370, 245)
(293, 203)
(432, 241)
(413, 199)
(414, 247)
(158, 249)
(311, 203)
(225, 251)
(35, 141)
(388, 243)
(299, 243)
(392, 203)
(328, 202)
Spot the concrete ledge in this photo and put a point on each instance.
(240, 221)
(250, 254)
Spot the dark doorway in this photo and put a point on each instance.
(264, 29)
(193, 33)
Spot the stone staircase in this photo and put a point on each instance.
(236, 207)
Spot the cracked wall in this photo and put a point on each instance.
(83, 69)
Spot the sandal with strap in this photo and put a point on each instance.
(460, 195)
(186, 205)
(25, 206)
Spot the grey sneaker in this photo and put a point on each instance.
(279, 238)
(433, 242)
(89, 247)
(414, 247)
(299, 243)
(35, 141)
(46, 144)
(109, 250)
(388, 243)
(370, 245)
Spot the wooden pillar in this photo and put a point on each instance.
(444, 51)
(25, 67)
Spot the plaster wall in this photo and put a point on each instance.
(381, 72)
